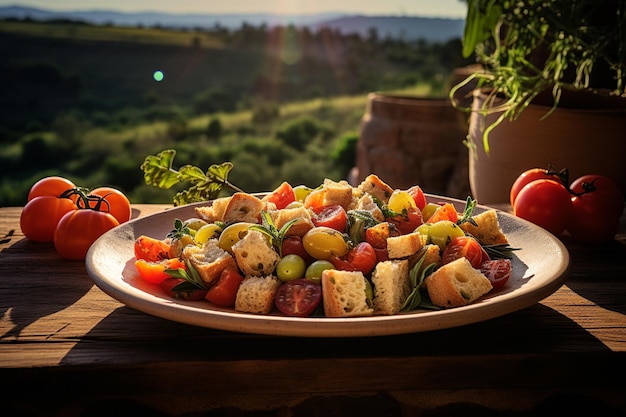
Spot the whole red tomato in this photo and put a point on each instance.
(116, 203)
(529, 176)
(601, 189)
(50, 186)
(597, 205)
(78, 229)
(547, 203)
(40, 216)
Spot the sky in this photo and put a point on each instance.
(429, 8)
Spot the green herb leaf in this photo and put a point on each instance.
(269, 229)
(502, 251)
(468, 212)
(417, 275)
(158, 171)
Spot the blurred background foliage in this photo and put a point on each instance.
(283, 103)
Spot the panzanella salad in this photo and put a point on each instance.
(333, 251)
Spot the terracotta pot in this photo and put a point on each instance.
(586, 141)
(409, 140)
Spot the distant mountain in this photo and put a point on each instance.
(405, 27)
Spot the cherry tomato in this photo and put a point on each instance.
(465, 247)
(50, 186)
(224, 292)
(189, 293)
(151, 249)
(154, 272)
(40, 216)
(118, 204)
(282, 196)
(341, 264)
(418, 196)
(547, 203)
(362, 257)
(591, 221)
(78, 229)
(333, 216)
(497, 271)
(290, 267)
(233, 234)
(445, 211)
(377, 235)
(527, 177)
(407, 222)
(602, 189)
(440, 233)
(298, 298)
(315, 270)
(400, 201)
(323, 242)
(293, 245)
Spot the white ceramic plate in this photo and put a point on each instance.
(540, 267)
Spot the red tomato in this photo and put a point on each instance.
(546, 203)
(377, 235)
(50, 186)
(282, 196)
(602, 189)
(363, 257)
(118, 204)
(40, 216)
(418, 196)
(224, 292)
(465, 247)
(293, 245)
(154, 272)
(591, 221)
(151, 249)
(78, 229)
(529, 176)
(298, 298)
(497, 271)
(446, 211)
(333, 216)
(407, 223)
(190, 293)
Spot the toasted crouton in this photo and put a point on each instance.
(256, 294)
(456, 284)
(488, 231)
(331, 192)
(214, 212)
(376, 187)
(303, 224)
(345, 294)
(209, 260)
(254, 255)
(391, 286)
(404, 245)
(242, 207)
(367, 203)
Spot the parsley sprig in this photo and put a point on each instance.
(158, 171)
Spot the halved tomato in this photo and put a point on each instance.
(224, 292)
(465, 247)
(333, 216)
(298, 298)
(151, 249)
(154, 272)
(498, 271)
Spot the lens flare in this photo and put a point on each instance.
(158, 75)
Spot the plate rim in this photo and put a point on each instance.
(188, 312)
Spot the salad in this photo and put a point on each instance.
(299, 251)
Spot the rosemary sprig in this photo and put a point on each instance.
(269, 229)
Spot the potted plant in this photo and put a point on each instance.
(550, 70)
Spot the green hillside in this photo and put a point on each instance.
(282, 104)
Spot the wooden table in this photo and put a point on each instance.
(68, 349)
